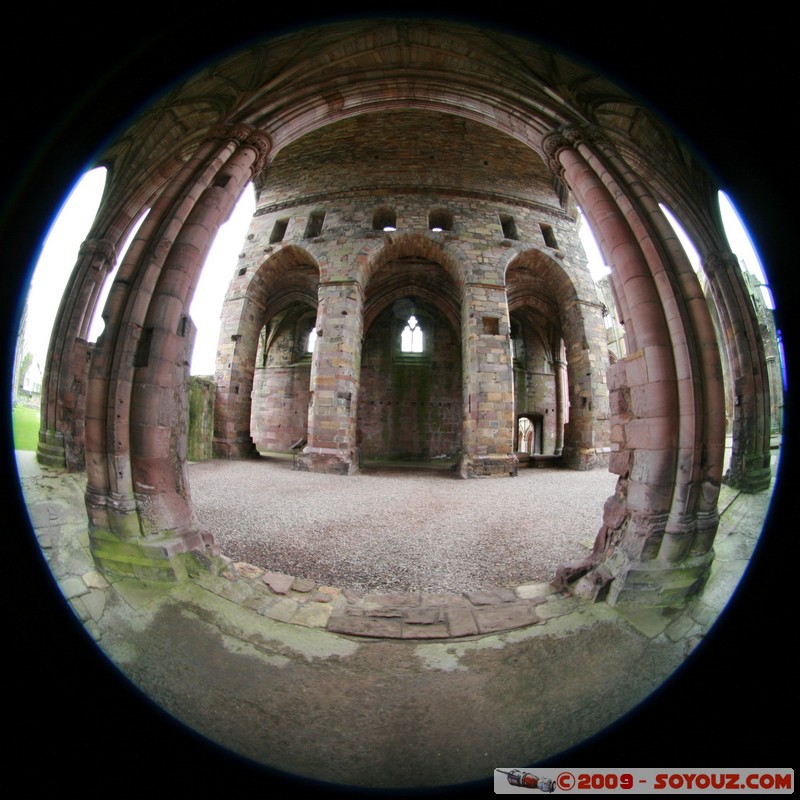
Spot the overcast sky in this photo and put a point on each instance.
(60, 250)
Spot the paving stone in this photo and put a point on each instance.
(303, 585)
(385, 612)
(366, 626)
(505, 617)
(95, 602)
(278, 582)
(315, 615)
(393, 599)
(443, 600)
(461, 622)
(558, 606)
(95, 580)
(413, 631)
(529, 591)
(259, 604)
(281, 610)
(491, 597)
(73, 587)
(248, 570)
(422, 616)
(237, 591)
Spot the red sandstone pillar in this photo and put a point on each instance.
(335, 380)
(693, 518)
(61, 435)
(110, 500)
(750, 460)
(160, 388)
(137, 342)
(644, 398)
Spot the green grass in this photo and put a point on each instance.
(25, 422)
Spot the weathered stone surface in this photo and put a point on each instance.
(278, 582)
(505, 617)
(491, 597)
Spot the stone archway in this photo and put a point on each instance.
(410, 399)
(261, 331)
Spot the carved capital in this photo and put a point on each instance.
(719, 262)
(577, 134)
(226, 133)
(98, 247)
(553, 142)
(262, 144)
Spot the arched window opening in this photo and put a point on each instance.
(221, 262)
(411, 339)
(311, 341)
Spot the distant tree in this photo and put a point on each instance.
(24, 366)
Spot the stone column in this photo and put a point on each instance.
(693, 517)
(559, 368)
(750, 427)
(335, 380)
(644, 411)
(586, 435)
(110, 501)
(159, 409)
(63, 409)
(489, 415)
(136, 492)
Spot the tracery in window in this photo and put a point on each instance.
(411, 337)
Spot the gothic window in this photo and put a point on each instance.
(312, 338)
(411, 337)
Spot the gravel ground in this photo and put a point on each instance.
(400, 530)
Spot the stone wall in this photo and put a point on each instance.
(410, 404)
(383, 210)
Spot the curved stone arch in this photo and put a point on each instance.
(579, 320)
(444, 303)
(244, 313)
(426, 245)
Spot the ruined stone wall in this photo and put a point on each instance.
(402, 214)
(410, 404)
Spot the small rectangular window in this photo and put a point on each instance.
(509, 226)
(314, 227)
(278, 231)
(548, 236)
(491, 326)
